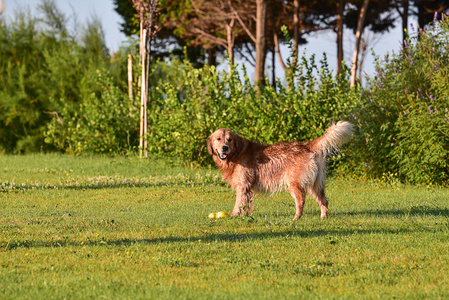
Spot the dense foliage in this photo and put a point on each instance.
(45, 65)
(403, 117)
(103, 123)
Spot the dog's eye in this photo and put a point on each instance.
(229, 140)
(219, 139)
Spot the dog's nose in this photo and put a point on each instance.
(225, 148)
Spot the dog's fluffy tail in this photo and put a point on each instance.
(335, 136)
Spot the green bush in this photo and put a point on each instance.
(42, 60)
(403, 118)
(106, 120)
(103, 123)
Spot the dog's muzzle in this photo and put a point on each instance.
(224, 153)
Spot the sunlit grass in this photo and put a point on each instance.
(147, 235)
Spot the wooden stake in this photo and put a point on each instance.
(143, 106)
(130, 77)
(145, 51)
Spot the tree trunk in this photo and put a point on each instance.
(273, 69)
(358, 36)
(295, 32)
(261, 44)
(402, 7)
(363, 48)
(340, 53)
(230, 42)
(278, 50)
(212, 57)
(405, 20)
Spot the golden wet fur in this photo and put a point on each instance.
(299, 167)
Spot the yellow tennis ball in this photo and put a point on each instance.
(212, 216)
(222, 214)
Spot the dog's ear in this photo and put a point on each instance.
(239, 143)
(209, 147)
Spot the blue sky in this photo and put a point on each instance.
(318, 43)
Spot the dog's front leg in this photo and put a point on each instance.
(243, 202)
(299, 195)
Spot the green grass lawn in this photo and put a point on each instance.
(125, 228)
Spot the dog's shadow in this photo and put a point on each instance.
(414, 211)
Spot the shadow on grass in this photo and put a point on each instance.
(333, 236)
(414, 211)
(246, 237)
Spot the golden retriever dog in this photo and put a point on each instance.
(299, 167)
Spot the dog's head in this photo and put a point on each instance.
(224, 144)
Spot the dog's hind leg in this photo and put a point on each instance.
(318, 194)
(299, 195)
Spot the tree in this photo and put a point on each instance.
(358, 36)
(216, 28)
(402, 7)
(250, 28)
(168, 41)
(148, 30)
(300, 18)
(219, 23)
(337, 14)
(339, 28)
(426, 10)
(261, 43)
(228, 24)
(214, 24)
(377, 17)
